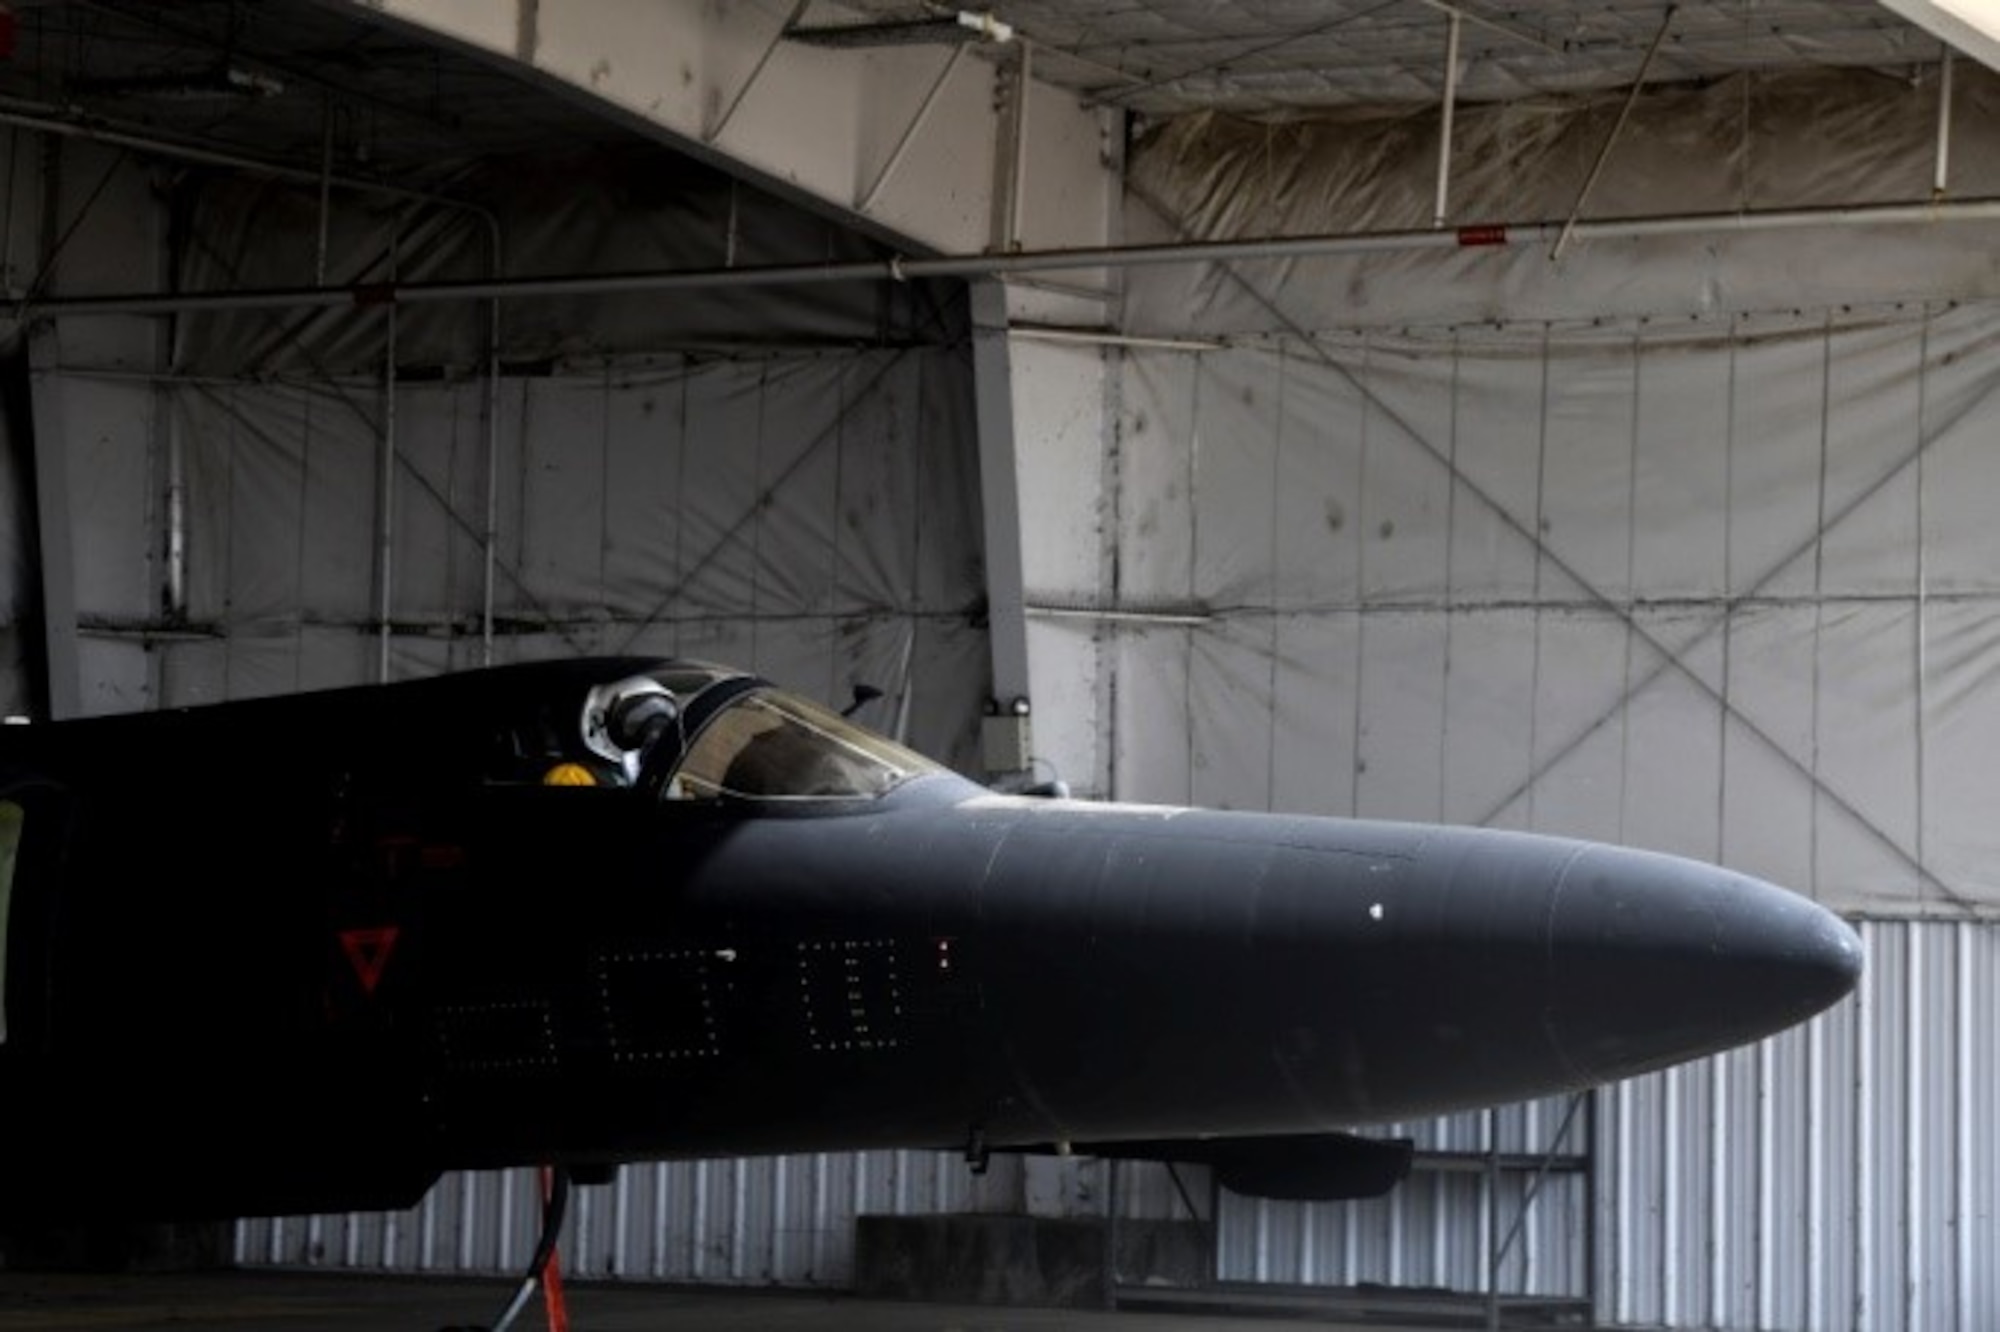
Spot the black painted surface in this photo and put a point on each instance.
(304, 954)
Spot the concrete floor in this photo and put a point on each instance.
(257, 1301)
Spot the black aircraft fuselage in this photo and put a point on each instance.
(306, 953)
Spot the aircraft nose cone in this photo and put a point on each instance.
(1654, 960)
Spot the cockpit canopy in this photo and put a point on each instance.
(690, 731)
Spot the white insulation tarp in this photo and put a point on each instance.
(806, 517)
(1751, 143)
(267, 499)
(596, 211)
(1725, 588)
(1679, 541)
(1683, 542)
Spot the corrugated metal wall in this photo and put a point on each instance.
(1843, 1176)
(783, 1221)
(1441, 1228)
(1840, 1178)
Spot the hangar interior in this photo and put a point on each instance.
(1574, 418)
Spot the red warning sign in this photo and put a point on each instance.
(368, 952)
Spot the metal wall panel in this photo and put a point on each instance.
(1839, 1177)
(785, 1220)
(1842, 1177)
(801, 515)
(1443, 1226)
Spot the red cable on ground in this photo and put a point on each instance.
(552, 1291)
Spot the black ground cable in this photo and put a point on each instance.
(553, 1209)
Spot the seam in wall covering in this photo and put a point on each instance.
(1722, 587)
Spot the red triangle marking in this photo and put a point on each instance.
(368, 950)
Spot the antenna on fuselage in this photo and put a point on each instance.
(864, 694)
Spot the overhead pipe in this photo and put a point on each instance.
(100, 132)
(1943, 173)
(1446, 115)
(900, 269)
(1114, 615)
(322, 179)
(1090, 337)
(1024, 89)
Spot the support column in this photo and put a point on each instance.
(1045, 448)
(55, 554)
(1008, 732)
(1044, 433)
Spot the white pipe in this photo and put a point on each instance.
(902, 270)
(1023, 89)
(988, 27)
(1445, 121)
(187, 152)
(1185, 618)
(1943, 175)
(1092, 338)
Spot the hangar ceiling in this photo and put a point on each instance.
(284, 79)
(1167, 57)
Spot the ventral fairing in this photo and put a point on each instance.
(304, 954)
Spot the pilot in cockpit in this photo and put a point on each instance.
(632, 724)
(538, 750)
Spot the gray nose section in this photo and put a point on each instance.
(1654, 959)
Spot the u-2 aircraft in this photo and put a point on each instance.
(305, 953)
